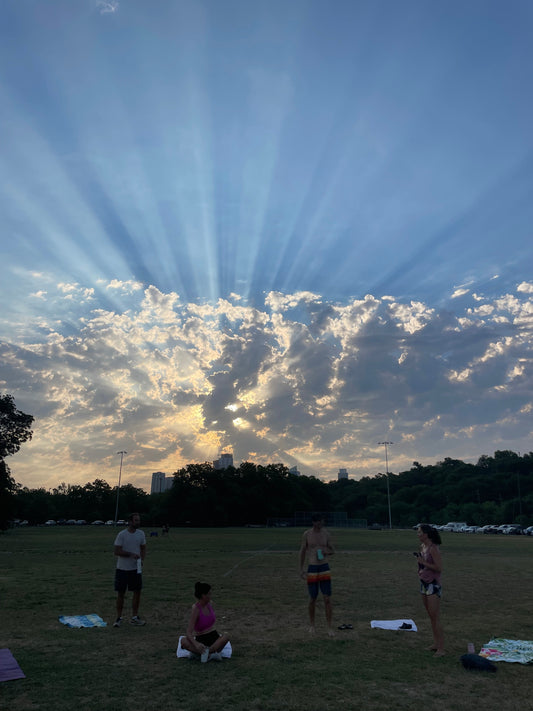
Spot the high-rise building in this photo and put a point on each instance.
(160, 483)
(343, 474)
(225, 461)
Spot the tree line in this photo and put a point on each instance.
(497, 489)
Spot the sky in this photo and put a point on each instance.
(290, 230)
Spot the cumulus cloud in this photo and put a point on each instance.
(298, 380)
(107, 6)
(525, 287)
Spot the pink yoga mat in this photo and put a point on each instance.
(9, 669)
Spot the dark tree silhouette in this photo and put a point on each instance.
(14, 431)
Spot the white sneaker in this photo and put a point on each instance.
(137, 621)
(216, 656)
(117, 622)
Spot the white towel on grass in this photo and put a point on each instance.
(394, 625)
(185, 654)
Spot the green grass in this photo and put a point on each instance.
(262, 604)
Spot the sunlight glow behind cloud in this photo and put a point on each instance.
(315, 384)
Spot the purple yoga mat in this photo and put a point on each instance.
(9, 669)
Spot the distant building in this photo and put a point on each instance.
(160, 483)
(294, 470)
(343, 474)
(225, 461)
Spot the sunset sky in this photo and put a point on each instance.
(287, 229)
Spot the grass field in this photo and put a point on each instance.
(262, 604)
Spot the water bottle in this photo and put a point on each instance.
(470, 648)
(139, 565)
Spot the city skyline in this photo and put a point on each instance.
(290, 231)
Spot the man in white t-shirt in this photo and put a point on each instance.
(130, 549)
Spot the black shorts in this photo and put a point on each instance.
(208, 638)
(128, 580)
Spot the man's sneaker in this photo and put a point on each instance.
(136, 620)
(117, 622)
(215, 657)
(205, 655)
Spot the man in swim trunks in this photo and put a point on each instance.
(317, 546)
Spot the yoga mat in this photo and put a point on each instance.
(9, 669)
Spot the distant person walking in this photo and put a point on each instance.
(429, 571)
(317, 547)
(201, 636)
(130, 549)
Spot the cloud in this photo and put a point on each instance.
(107, 6)
(296, 379)
(525, 287)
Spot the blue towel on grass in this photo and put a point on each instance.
(82, 621)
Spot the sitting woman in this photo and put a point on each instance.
(201, 637)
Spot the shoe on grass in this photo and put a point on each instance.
(117, 622)
(136, 620)
(216, 657)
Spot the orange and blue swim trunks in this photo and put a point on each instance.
(318, 577)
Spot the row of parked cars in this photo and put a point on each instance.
(82, 522)
(507, 529)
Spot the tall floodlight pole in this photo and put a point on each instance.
(518, 485)
(122, 453)
(386, 444)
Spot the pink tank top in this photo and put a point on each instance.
(204, 622)
(426, 574)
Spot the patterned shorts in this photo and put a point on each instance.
(318, 577)
(432, 588)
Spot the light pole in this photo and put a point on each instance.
(122, 453)
(386, 444)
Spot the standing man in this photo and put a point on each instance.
(130, 549)
(317, 546)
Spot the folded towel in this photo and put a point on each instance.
(185, 654)
(394, 625)
(82, 621)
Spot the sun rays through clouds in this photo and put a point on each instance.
(300, 379)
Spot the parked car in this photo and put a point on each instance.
(513, 529)
(81, 522)
(528, 531)
(455, 526)
(489, 528)
(71, 522)
(50, 522)
(470, 529)
(110, 523)
(97, 523)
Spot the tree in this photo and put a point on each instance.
(14, 431)
(14, 427)
(7, 498)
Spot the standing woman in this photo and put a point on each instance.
(429, 571)
(201, 636)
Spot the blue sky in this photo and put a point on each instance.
(290, 230)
